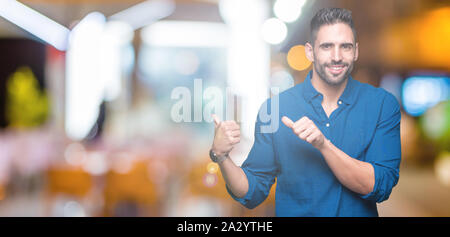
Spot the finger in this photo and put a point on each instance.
(231, 124)
(235, 141)
(313, 137)
(302, 124)
(234, 133)
(287, 121)
(299, 128)
(231, 127)
(301, 121)
(307, 133)
(216, 120)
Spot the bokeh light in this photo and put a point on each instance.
(186, 62)
(212, 168)
(288, 10)
(436, 121)
(280, 81)
(75, 154)
(421, 93)
(297, 59)
(73, 209)
(274, 31)
(210, 180)
(442, 168)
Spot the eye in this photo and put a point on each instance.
(326, 46)
(347, 46)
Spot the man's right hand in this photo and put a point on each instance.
(227, 135)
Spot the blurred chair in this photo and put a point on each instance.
(67, 181)
(205, 180)
(130, 192)
(2, 192)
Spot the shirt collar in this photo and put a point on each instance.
(348, 96)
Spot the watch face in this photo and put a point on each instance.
(213, 156)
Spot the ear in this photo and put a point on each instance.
(356, 52)
(309, 51)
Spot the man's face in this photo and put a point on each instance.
(334, 53)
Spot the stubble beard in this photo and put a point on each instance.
(321, 71)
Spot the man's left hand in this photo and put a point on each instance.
(306, 130)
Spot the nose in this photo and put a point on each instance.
(336, 55)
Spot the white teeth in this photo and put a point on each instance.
(337, 68)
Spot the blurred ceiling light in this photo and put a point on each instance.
(97, 55)
(145, 13)
(185, 34)
(34, 22)
(297, 59)
(116, 36)
(118, 32)
(421, 93)
(248, 60)
(288, 10)
(274, 31)
(84, 85)
(242, 13)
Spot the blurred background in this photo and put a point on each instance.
(89, 90)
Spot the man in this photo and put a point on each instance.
(338, 152)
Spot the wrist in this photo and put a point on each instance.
(218, 152)
(325, 145)
(217, 157)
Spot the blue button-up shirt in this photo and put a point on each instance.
(366, 126)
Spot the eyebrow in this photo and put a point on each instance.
(347, 44)
(329, 44)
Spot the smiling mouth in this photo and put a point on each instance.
(336, 69)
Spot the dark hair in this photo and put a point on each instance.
(329, 16)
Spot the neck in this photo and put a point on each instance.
(331, 93)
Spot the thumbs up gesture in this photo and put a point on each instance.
(227, 135)
(306, 130)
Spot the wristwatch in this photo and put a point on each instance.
(215, 158)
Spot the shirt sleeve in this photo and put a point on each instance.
(260, 168)
(384, 152)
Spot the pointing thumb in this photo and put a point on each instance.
(216, 119)
(287, 121)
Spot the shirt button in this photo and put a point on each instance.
(327, 124)
(339, 102)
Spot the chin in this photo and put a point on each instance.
(336, 81)
(329, 78)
